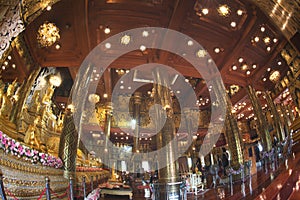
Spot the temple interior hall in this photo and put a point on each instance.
(149, 99)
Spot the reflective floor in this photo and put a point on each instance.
(277, 182)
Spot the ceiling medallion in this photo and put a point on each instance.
(274, 76)
(224, 10)
(201, 53)
(48, 34)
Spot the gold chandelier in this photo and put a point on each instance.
(48, 34)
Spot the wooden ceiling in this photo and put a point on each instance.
(82, 25)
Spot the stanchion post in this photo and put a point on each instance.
(71, 188)
(92, 183)
(84, 186)
(48, 194)
(2, 192)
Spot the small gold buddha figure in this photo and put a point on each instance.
(31, 135)
(35, 104)
(7, 102)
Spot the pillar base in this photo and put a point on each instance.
(169, 191)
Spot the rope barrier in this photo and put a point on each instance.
(11, 194)
(59, 196)
(42, 194)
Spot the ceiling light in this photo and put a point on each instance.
(224, 10)
(48, 34)
(248, 72)
(129, 88)
(267, 40)
(254, 66)
(217, 50)
(201, 53)
(264, 79)
(13, 66)
(256, 39)
(241, 60)
(244, 67)
(239, 12)
(107, 30)
(142, 48)
(233, 24)
(279, 63)
(262, 29)
(190, 43)
(275, 40)
(186, 80)
(125, 39)
(145, 33)
(205, 11)
(105, 95)
(122, 87)
(3, 67)
(5, 63)
(234, 67)
(268, 48)
(9, 57)
(107, 45)
(57, 46)
(269, 69)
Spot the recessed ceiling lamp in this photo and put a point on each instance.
(279, 63)
(239, 12)
(256, 39)
(233, 24)
(57, 46)
(142, 48)
(268, 48)
(201, 53)
(275, 40)
(13, 66)
(107, 45)
(254, 66)
(48, 8)
(105, 95)
(9, 57)
(145, 33)
(217, 50)
(244, 67)
(262, 29)
(269, 69)
(107, 30)
(234, 67)
(190, 43)
(267, 40)
(205, 11)
(224, 10)
(240, 60)
(125, 39)
(264, 79)
(248, 72)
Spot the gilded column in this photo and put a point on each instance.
(261, 120)
(107, 126)
(277, 122)
(168, 181)
(231, 127)
(68, 145)
(137, 98)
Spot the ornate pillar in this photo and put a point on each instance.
(107, 126)
(68, 145)
(137, 98)
(188, 127)
(231, 128)
(277, 122)
(168, 182)
(261, 120)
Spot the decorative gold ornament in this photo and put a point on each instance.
(48, 34)
(274, 76)
(224, 10)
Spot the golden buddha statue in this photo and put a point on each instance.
(35, 104)
(31, 135)
(7, 103)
